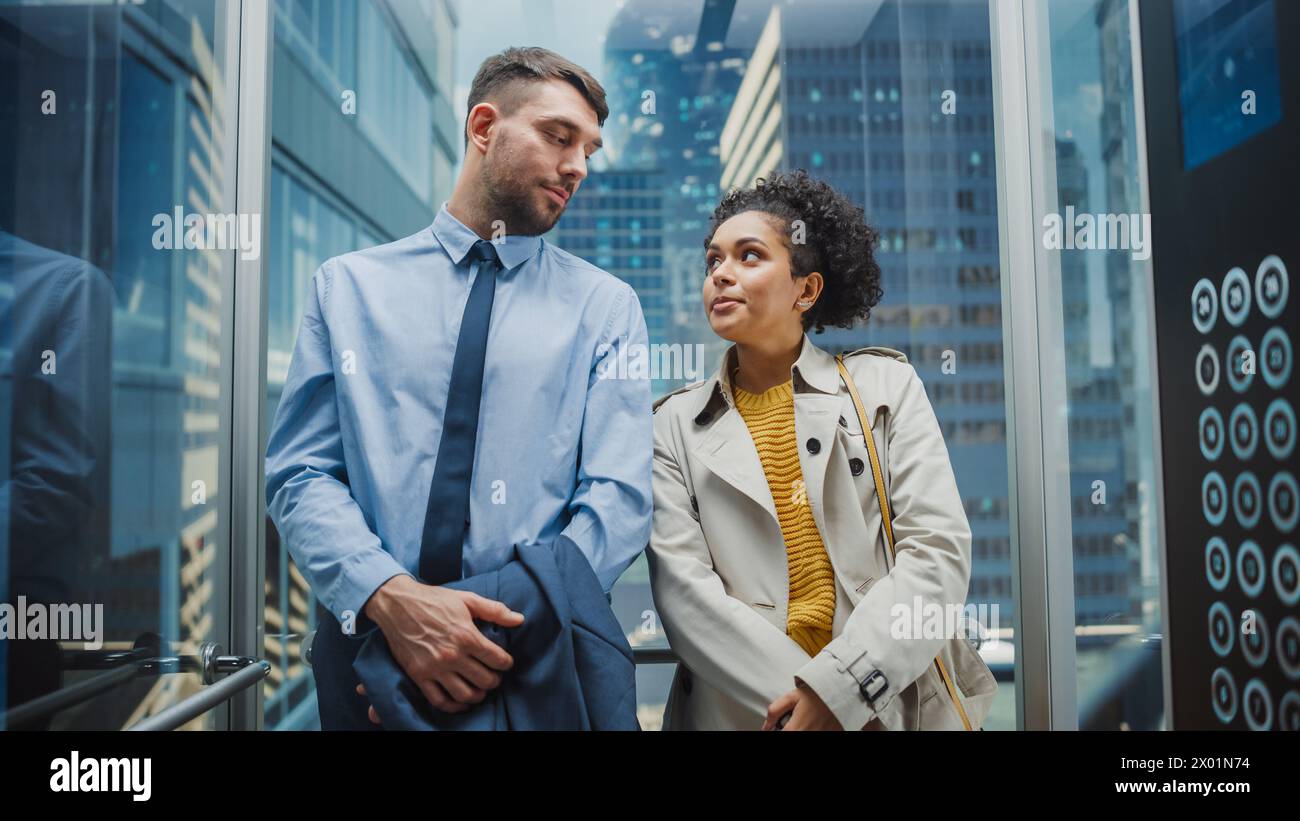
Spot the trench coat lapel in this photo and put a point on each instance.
(728, 451)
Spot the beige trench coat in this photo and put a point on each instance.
(718, 561)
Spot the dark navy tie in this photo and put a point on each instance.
(446, 518)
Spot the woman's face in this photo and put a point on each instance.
(749, 295)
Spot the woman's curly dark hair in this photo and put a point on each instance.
(837, 242)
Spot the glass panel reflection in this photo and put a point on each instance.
(113, 181)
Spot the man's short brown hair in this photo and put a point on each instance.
(504, 76)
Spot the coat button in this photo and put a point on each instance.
(695, 505)
(814, 446)
(855, 466)
(843, 424)
(703, 418)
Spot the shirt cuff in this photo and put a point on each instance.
(834, 682)
(365, 574)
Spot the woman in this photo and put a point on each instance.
(769, 562)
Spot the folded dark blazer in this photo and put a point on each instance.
(573, 668)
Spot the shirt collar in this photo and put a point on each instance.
(815, 369)
(457, 239)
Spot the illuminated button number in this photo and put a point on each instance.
(1214, 498)
(1238, 375)
(1276, 351)
(1289, 713)
(1250, 568)
(1288, 644)
(1217, 563)
(1207, 369)
(1245, 431)
(1279, 429)
(1246, 495)
(1254, 644)
(1236, 296)
(1205, 306)
(1271, 286)
(1286, 571)
(1211, 425)
(1282, 501)
(1257, 705)
(1221, 632)
(1259, 711)
(1224, 695)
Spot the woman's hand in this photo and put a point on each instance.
(374, 717)
(807, 712)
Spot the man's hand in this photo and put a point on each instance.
(432, 636)
(808, 712)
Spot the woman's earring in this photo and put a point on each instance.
(802, 304)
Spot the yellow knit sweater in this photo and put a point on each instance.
(770, 419)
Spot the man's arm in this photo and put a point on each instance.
(307, 495)
(57, 480)
(611, 507)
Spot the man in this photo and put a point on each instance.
(416, 438)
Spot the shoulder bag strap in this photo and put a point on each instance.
(887, 516)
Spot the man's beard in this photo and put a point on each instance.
(512, 199)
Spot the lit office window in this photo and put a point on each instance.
(392, 102)
(322, 35)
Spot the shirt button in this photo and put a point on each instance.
(843, 424)
(856, 466)
(814, 446)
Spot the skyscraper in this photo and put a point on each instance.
(617, 223)
(671, 79)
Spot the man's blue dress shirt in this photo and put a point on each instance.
(561, 453)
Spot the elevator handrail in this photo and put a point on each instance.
(207, 698)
